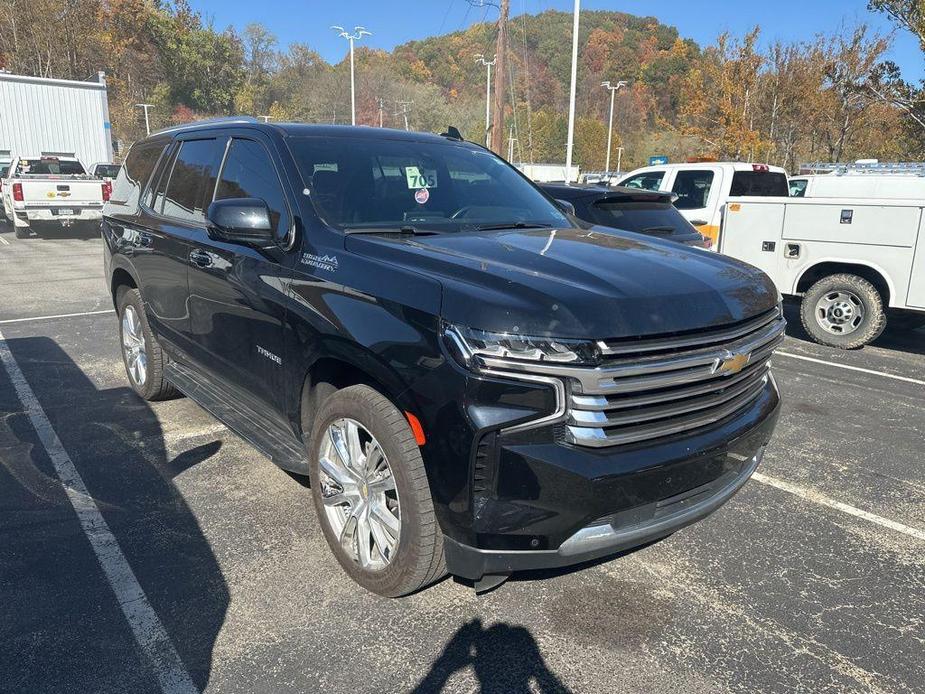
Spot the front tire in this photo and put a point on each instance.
(372, 495)
(843, 311)
(142, 355)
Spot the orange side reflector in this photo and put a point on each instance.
(416, 429)
(735, 207)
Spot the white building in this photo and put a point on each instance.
(54, 117)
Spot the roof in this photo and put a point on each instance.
(734, 165)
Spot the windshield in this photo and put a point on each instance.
(645, 217)
(4, 168)
(106, 170)
(49, 167)
(361, 183)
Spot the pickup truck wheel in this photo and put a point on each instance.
(371, 493)
(844, 311)
(142, 355)
(22, 232)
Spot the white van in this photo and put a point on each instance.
(703, 188)
(848, 185)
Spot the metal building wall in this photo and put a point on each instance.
(47, 115)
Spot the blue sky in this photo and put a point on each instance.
(396, 21)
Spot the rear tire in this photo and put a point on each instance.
(22, 232)
(843, 311)
(142, 355)
(410, 555)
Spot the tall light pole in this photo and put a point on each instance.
(147, 122)
(487, 63)
(358, 33)
(570, 144)
(613, 89)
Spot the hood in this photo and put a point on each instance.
(584, 283)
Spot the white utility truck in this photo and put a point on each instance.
(856, 263)
(43, 193)
(896, 181)
(703, 187)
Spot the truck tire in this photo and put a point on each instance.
(22, 232)
(142, 355)
(844, 311)
(371, 493)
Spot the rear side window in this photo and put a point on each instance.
(132, 177)
(658, 218)
(249, 173)
(192, 180)
(759, 184)
(693, 189)
(798, 187)
(106, 170)
(645, 181)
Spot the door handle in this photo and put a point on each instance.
(200, 258)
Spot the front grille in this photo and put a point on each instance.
(656, 388)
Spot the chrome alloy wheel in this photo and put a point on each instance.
(133, 346)
(359, 494)
(840, 312)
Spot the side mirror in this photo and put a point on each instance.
(241, 220)
(566, 206)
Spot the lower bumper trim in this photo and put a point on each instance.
(598, 540)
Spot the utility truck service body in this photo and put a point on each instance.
(854, 261)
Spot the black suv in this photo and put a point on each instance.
(473, 383)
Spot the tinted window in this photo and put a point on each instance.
(192, 180)
(759, 184)
(693, 189)
(646, 181)
(154, 197)
(249, 173)
(49, 167)
(798, 187)
(106, 170)
(4, 169)
(659, 218)
(441, 186)
(132, 177)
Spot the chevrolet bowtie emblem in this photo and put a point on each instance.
(733, 364)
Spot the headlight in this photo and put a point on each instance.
(470, 344)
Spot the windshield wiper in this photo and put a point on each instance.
(404, 229)
(658, 230)
(512, 225)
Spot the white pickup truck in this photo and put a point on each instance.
(41, 193)
(856, 263)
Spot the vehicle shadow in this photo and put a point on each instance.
(895, 338)
(505, 658)
(60, 622)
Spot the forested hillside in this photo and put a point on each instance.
(833, 98)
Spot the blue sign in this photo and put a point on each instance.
(658, 161)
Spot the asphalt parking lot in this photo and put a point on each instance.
(811, 579)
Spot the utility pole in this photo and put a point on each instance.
(358, 33)
(619, 157)
(404, 111)
(510, 145)
(266, 119)
(481, 59)
(497, 118)
(570, 143)
(380, 111)
(147, 122)
(613, 89)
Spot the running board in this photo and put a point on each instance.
(266, 435)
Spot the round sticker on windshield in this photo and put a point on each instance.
(422, 195)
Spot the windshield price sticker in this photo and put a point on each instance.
(417, 179)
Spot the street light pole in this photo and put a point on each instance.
(481, 59)
(147, 122)
(570, 144)
(358, 33)
(613, 88)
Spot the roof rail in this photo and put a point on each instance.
(223, 120)
(908, 168)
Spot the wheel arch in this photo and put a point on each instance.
(868, 271)
(120, 280)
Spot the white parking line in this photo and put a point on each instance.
(823, 500)
(59, 315)
(4, 241)
(906, 379)
(149, 632)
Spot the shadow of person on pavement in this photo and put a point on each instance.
(61, 626)
(506, 659)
